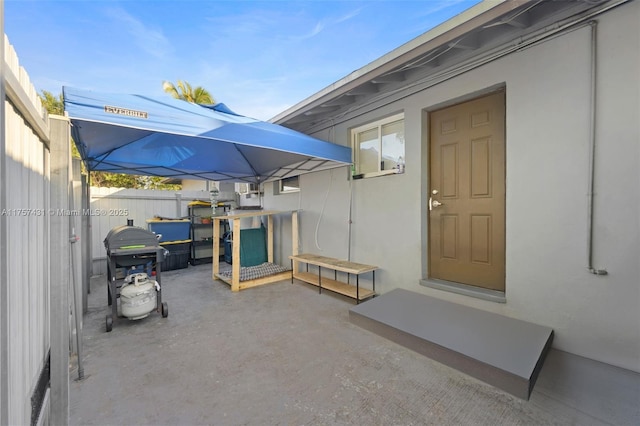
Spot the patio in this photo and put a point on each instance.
(283, 354)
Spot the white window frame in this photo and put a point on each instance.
(356, 149)
(281, 185)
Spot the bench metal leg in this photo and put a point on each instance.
(319, 280)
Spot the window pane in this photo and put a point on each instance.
(393, 144)
(368, 151)
(290, 184)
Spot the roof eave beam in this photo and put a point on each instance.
(394, 77)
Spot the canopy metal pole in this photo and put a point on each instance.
(350, 213)
(88, 239)
(77, 284)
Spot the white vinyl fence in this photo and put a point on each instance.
(111, 207)
(25, 340)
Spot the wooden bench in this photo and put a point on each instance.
(336, 265)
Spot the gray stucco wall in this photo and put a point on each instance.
(547, 133)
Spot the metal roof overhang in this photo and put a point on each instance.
(482, 28)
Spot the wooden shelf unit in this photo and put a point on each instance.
(349, 290)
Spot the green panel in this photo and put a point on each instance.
(253, 246)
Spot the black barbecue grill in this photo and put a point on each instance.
(132, 248)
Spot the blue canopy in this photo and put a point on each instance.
(167, 137)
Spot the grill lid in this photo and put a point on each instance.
(126, 236)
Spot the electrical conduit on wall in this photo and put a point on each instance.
(592, 149)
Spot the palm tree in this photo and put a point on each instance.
(183, 90)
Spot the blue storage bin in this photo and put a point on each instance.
(170, 229)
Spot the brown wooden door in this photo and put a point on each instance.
(467, 175)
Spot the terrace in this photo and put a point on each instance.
(283, 354)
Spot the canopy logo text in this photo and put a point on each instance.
(125, 111)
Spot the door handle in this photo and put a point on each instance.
(434, 203)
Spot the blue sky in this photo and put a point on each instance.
(258, 57)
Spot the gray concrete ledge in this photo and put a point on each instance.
(505, 352)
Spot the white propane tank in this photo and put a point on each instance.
(138, 298)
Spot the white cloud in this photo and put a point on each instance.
(328, 23)
(348, 16)
(316, 30)
(151, 41)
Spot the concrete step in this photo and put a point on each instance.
(504, 352)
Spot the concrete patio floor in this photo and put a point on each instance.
(283, 354)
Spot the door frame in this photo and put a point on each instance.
(426, 281)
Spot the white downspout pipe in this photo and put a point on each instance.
(592, 150)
